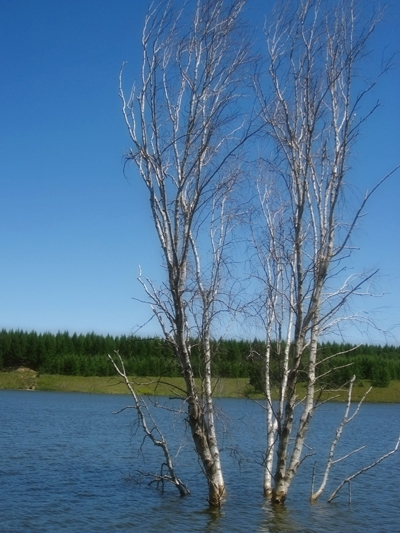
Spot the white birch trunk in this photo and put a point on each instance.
(216, 480)
(271, 426)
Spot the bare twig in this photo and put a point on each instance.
(361, 471)
(345, 420)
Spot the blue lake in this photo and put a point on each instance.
(68, 464)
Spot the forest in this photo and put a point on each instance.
(86, 355)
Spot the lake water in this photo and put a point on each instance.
(67, 464)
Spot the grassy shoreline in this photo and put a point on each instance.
(26, 379)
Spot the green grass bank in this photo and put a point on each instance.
(26, 379)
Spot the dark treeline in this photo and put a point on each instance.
(86, 355)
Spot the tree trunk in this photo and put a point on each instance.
(216, 480)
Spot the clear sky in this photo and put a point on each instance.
(73, 229)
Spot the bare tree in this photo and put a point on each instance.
(312, 112)
(186, 132)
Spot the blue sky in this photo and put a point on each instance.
(73, 229)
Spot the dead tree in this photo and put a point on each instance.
(312, 108)
(184, 122)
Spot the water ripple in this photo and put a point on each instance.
(67, 464)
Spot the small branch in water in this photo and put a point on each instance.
(361, 471)
(154, 433)
(345, 420)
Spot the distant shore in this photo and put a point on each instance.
(26, 379)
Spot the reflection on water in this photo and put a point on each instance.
(67, 464)
(279, 518)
